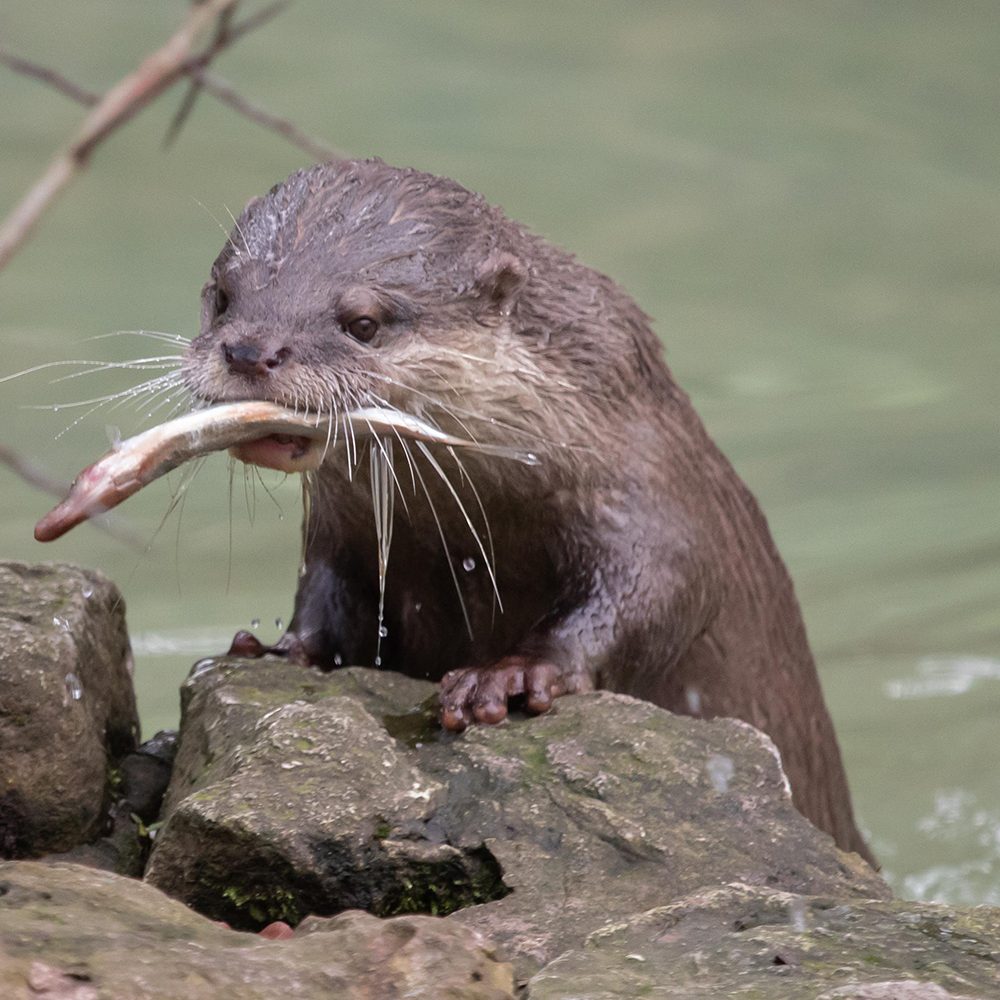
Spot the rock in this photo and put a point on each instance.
(284, 796)
(74, 933)
(740, 940)
(67, 707)
(296, 792)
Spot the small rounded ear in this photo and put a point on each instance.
(499, 280)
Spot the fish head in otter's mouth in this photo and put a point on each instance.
(354, 285)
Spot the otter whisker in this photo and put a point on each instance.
(457, 413)
(310, 487)
(167, 338)
(167, 362)
(229, 554)
(225, 232)
(383, 490)
(350, 437)
(187, 478)
(166, 400)
(347, 442)
(249, 495)
(150, 388)
(239, 229)
(81, 362)
(486, 521)
(436, 466)
(434, 400)
(170, 380)
(270, 492)
(444, 545)
(332, 424)
(183, 403)
(384, 445)
(409, 459)
(546, 379)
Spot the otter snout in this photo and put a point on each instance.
(253, 360)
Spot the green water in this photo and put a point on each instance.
(807, 198)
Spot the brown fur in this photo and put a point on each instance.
(630, 557)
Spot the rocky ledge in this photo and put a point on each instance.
(608, 849)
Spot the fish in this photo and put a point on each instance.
(256, 431)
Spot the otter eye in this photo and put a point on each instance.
(221, 301)
(363, 328)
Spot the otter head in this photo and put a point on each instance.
(342, 287)
(357, 284)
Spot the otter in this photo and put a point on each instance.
(623, 552)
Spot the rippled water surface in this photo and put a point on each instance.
(805, 197)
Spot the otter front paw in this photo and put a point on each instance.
(482, 694)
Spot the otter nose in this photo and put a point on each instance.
(249, 359)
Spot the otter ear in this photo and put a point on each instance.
(499, 280)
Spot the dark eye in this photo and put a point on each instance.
(221, 300)
(362, 328)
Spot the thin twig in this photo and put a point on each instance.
(35, 476)
(31, 473)
(252, 23)
(27, 68)
(117, 106)
(226, 33)
(224, 91)
(194, 87)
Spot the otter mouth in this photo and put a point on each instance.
(284, 452)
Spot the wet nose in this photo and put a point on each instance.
(249, 359)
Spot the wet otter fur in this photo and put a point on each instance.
(629, 555)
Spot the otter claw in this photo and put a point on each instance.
(483, 694)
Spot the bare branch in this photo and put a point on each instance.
(194, 87)
(28, 68)
(117, 106)
(255, 21)
(220, 89)
(35, 476)
(31, 473)
(225, 35)
(214, 84)
(134, 92)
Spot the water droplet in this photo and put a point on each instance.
(468, 564)
(419, 606)
(88, 593)
(61, 623)
(74, 687)
(378, 661)
(798, 915)
(254, 623)
(720, 770)
(692, 697)
(338, 660)
(383, 631)
(279, 624)
(55, 409)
